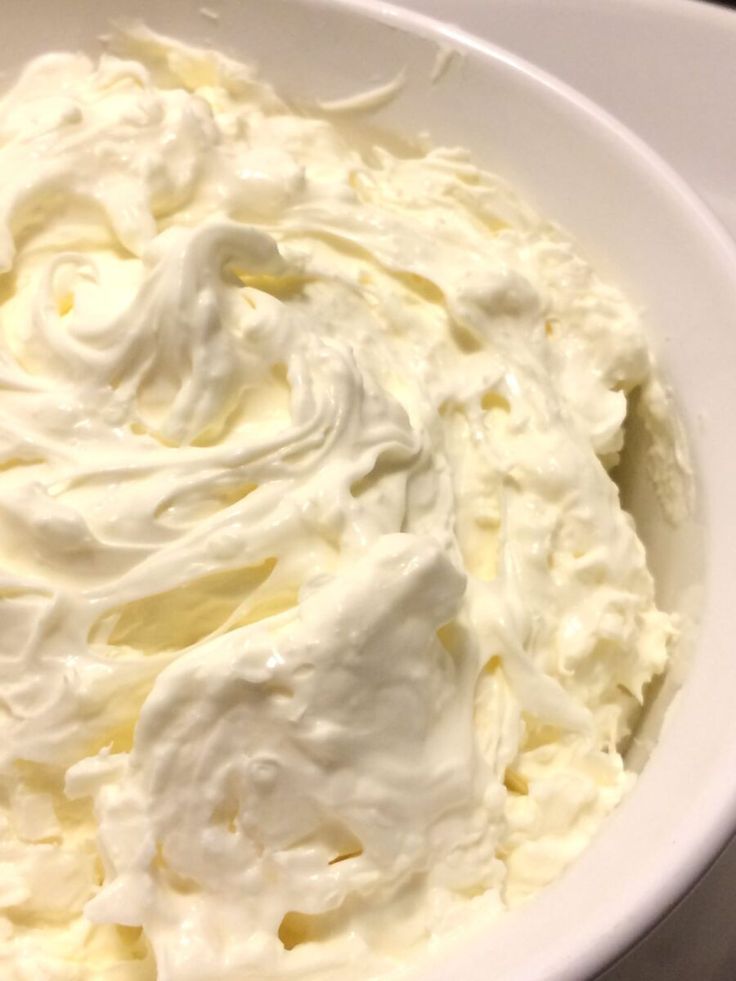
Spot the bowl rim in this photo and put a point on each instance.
(712, 833)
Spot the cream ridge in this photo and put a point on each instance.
(321, 623)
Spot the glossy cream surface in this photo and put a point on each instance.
(321, 623)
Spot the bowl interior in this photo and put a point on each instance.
(643, 229)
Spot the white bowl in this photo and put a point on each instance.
(643, 227)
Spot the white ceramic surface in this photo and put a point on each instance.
(666, 68)
(642, 225)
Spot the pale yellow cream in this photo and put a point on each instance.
(321, 624)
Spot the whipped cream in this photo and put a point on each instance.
(322, 624)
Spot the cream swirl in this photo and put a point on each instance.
(322, 622)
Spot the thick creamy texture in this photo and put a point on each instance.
(321, 622)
